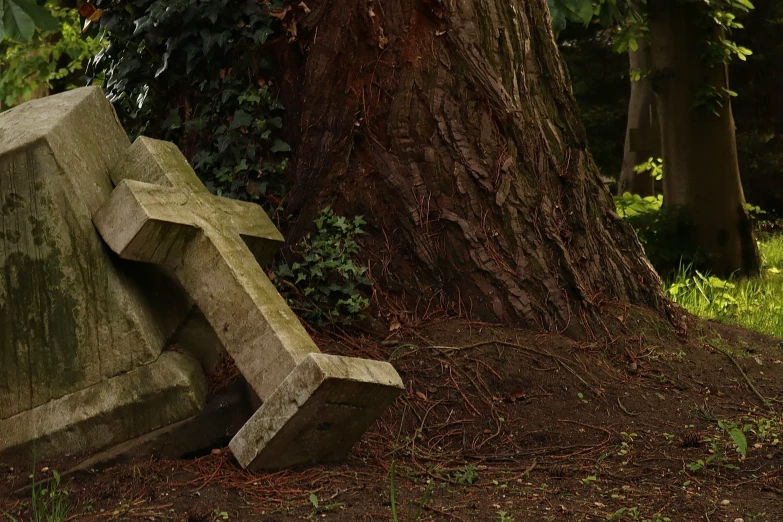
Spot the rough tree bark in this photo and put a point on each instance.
(450, 125)
(701, 178)
(639, 117)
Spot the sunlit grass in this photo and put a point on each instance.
(754, 303)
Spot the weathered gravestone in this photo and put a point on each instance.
(81, 339)
(82, 332)
(315, 406)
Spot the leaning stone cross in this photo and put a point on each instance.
(315, 406)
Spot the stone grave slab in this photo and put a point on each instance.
(133, 404)
(72, 315)
(161, 213)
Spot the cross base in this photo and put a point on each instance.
(317, 413)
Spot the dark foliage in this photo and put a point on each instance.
(194, 72)
(600, 79)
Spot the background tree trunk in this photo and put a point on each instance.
(639, 106)
(701, 176)
(451, 126)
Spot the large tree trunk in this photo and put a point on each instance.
(450, 125)
(701, 178)
(640, 105)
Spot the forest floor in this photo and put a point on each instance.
(501, 424)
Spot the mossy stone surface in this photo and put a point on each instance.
(71, 316)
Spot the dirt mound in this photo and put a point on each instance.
(504, 424)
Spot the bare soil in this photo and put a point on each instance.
(501, 424)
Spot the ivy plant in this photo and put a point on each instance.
(325, 281)
(196, 72)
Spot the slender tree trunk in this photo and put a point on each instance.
(450, 125)
(701, 177)
(640, 104)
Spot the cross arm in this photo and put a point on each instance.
(144, 222)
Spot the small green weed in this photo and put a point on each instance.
(718, 445)
(737, 436)
(500, 485)
(624, 448)
(503, 516)
(633, 514)
(467, 475)
(588, 480)
(318, 508)
(393, 497)
(49, 502)
(765, 429)
(326, 278)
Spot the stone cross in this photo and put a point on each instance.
(647, 140)
(315, 406)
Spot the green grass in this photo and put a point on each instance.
(754, 303)
(49, 502)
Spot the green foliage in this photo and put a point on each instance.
(599, 79)
(630, 30)
(631, 19)
(467, 475)
(633, 514)
(327, 278)
(710, 98)
(319, 508)
(232, 166)
(412, 517)
(660, 231)
(563, 11)
(718, 444)
(19, 20)
(51, 56)
(723, 14)
(759, 118)
(195, 72)
(654, 166)
(737, 437)
(716, 292)
(755, 303)
(49, 502)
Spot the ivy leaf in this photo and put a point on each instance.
(280, 146)
(240, 119)
(208, 39)
(141, 24)
(165, 64)
(261, 35)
